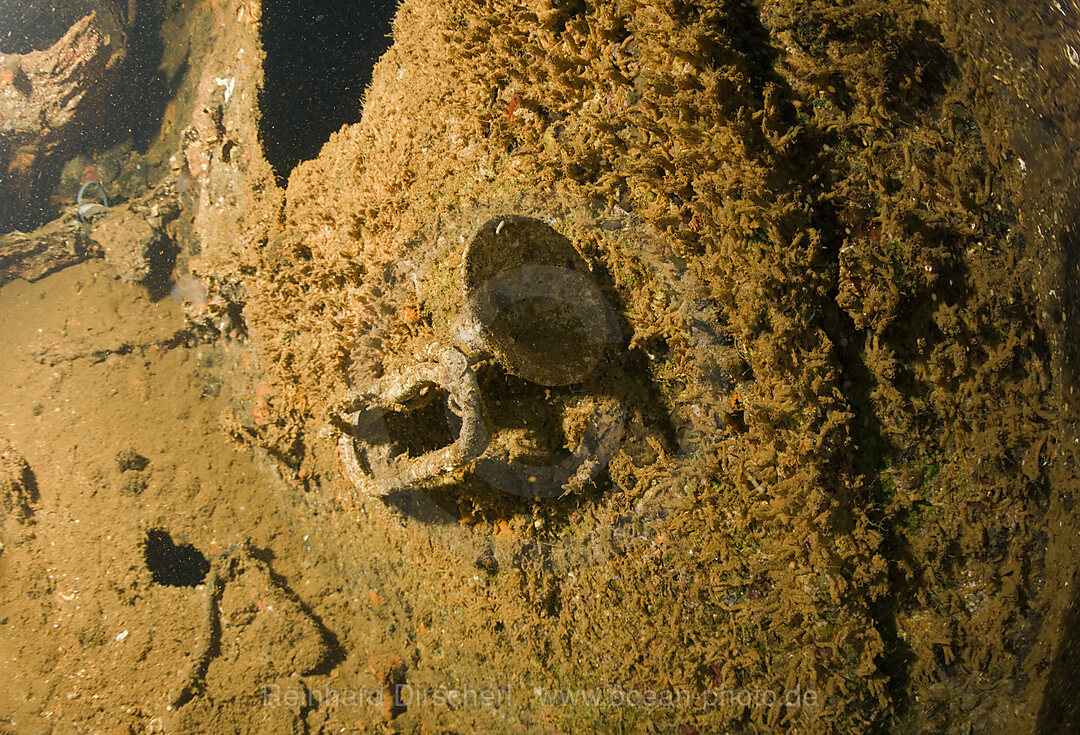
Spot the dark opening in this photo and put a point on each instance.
(319, 57)
(160, 261)
(136, 104)
(27, 26)
(176, 566)
(126, 105)
(424, 428)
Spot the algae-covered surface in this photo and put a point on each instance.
(835, 423)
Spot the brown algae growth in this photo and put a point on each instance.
(835, 247)
(849, 450)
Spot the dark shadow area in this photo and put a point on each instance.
(30, 486)
(1060, 710)
(1069, 358)
(425, 428)
(873, 456)
(879, 457)
(162, 259)
(319, 59)
(127, 106)
(175, 565)
(137, 102)
(27, 26)
(741, 24)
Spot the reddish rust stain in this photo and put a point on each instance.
(90, 173)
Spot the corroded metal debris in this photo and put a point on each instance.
(532, 308)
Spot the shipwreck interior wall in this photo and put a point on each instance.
(826, 442)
